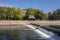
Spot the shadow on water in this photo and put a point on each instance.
(19, 35)
(9, 35)
(22, 35)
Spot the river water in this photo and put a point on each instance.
(35, 34)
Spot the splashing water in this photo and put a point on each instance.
(43, 35)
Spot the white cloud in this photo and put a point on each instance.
(6, 5)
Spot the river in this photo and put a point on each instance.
(34, 34)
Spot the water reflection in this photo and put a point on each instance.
(26, 35)
(19, 35)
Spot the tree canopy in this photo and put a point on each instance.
(55, 15)
(30, 12)
(38, 14)
(11, 13)
(8, 13)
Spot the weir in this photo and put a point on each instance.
(31, 32)
(41, 34)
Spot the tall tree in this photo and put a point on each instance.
(10, 13)
(40, 15)
(30, 12)
(55, 15)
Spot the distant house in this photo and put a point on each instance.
(31, 18)
(24, 12)
(49, 13)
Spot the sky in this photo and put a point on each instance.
(45, 5)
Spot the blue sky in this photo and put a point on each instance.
(45, 5)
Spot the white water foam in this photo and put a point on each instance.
(43, 35)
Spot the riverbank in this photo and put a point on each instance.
(25, 22)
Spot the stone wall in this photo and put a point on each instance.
(25, 22)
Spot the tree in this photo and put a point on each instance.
(10, 13)
(55, 15)
(50, 16)
(18, 14)
(3, 11)
(30, 12)
(40, 15)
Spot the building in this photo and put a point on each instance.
(24, 12)
(31, 18)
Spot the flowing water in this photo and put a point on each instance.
(34, 34)
(41, 34)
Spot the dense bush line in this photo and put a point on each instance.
(55, 15)
(11, 13)
(38, 14)
(7, 13)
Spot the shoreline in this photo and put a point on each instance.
(25, 22)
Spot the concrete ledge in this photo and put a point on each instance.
(25, 22)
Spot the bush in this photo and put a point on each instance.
(7, 13)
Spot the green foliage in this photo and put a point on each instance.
(18, 14)
(7, 13)
(11, 13)
(36, 13)
(55, 15)
(40, 15)
(30, 12)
